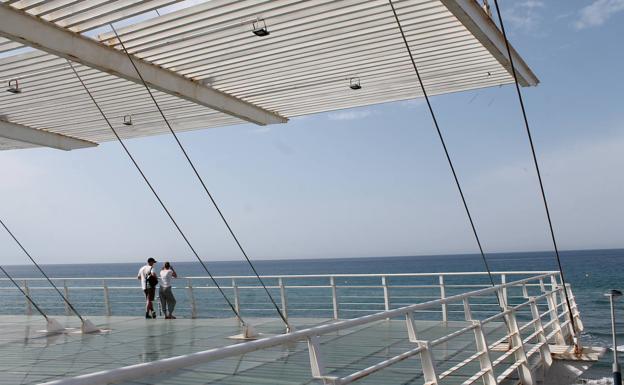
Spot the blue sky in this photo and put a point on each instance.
(365, 182)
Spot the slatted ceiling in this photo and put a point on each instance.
(302, 67)
(56, 101)
(85, 15)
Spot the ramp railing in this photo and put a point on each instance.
(334, 296)
(510, 344)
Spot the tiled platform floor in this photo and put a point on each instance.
(28, 356)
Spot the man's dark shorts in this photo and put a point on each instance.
(150, 293)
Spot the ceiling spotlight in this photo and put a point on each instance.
(354, 84)
(260, 28)
(14, 87)
(127, 120)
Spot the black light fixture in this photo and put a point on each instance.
(260, 28)
(127, 120)
(354, 84)
(14, 87)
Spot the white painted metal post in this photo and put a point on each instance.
(542, 286)
(577, 314)
(541, 336)
(553, 282)
(427, 362)
(524, 371)
(504, 290)
(568, 332)
(525, 292)
(442, 296)
(554, 317)
(236, 296)
(467, 311)
(66, 290)
(107, 304)
(28, 304)
(485, 361)
(317, 365)
(192, 299)
(411, 328)
(282, 289)
(384, 283)
(332, 283)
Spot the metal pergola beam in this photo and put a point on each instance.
(479, 23)
(25, 134)
(37, 33)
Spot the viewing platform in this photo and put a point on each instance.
(368, 329)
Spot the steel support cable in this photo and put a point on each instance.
(201, 180)
(448, 157)
(162, 204)
(536, 163)
(42, 272)
(32, 302)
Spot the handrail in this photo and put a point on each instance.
(137, 371)
(299, 276)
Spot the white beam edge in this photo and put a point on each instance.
(479, 23)
(37, 33)
(25, 134)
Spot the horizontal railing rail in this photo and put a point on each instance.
(522, 346)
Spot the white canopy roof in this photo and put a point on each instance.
(208, 69)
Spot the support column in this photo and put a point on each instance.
(283, 298)
(192, 299)
(485, 361)
(524, 371)
(107, 304)
(443, 296)
(332, 283)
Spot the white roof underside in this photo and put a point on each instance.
(302, 67)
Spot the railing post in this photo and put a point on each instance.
(568, 332)
(28, 304)
(411, 328)
(384, 283)
(443, 296)
(541, 336)
(542, 286)
(236, 296)
(192, 299)
(485, 361)
(577, 314)
(282, 289)
(332, 283)
(467, 311)
(501, 298)
(317, 364)
(504, 290)
(525, 292)
(107, 304)
(427, 362)
(524, 371)
(554, 317)
(66, 290)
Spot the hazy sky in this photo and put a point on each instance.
(364, 182)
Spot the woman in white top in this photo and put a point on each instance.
(167, 300)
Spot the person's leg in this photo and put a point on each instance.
(171, 301)
(150, 296)
(163, 300)
(147, 304)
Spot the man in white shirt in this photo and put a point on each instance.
(167, 300)
(148, 284)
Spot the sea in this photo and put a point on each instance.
(590, 272)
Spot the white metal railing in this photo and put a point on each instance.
(524, 345)
(336, 296)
